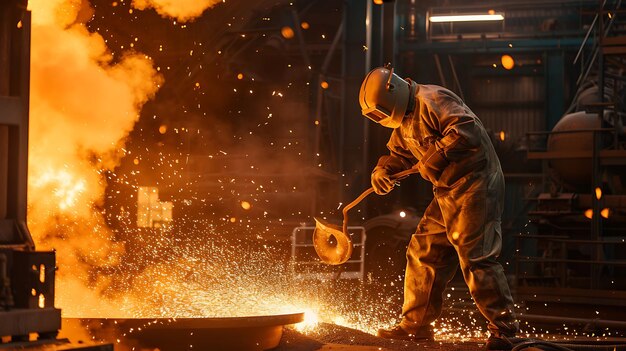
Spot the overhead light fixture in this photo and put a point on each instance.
(467, 17)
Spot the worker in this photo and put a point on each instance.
(435, 132)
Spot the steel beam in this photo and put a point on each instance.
(555, 86)
(495, 45)
(353, 127)
(24, 321)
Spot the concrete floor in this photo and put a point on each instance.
(327, 337)
(331, 337)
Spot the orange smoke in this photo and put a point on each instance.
(182, 10)
(82, 108)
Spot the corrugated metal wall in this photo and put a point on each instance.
(513, 104)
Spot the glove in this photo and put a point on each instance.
(432, 164)
(381, 182)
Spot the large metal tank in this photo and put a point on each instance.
(575, 173)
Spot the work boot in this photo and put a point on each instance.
(499, 342)
(397, 333)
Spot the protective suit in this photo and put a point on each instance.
(443, 138)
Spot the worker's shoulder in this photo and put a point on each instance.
(436, 93)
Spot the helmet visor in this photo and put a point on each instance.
(376, 113)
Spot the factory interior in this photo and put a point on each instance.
(167, 169)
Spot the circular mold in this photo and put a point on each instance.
(175, 334)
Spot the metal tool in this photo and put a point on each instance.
(331, 242)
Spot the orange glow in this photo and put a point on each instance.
(502, 135)
(42, 273)
(287, 32)
(378, 2)
(67, 163)
(305, 25)
(67, 190)
(507, 61)
(589, 213)
(240, 76)
(605, 213)
(324, 84)
(311, 320)
(68, 159)
(182, 11)
(245, 205)
(598, 193)
(491, 12)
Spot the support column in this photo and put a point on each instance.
(353, 136)
(555, 86)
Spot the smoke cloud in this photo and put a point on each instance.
(182, 10)
(83, 105)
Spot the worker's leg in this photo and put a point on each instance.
(473, 221)
(431, 263)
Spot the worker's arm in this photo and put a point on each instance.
(460, 135)
(457, 125)
(399, 159)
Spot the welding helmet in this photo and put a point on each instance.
(384, 97)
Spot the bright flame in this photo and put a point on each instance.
(66, 187)
(76, 136)
(182, 10)
(589, 213)
(598, 193)
(311, 320)
(502, 135)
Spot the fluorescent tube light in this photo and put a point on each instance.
(467, 18)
